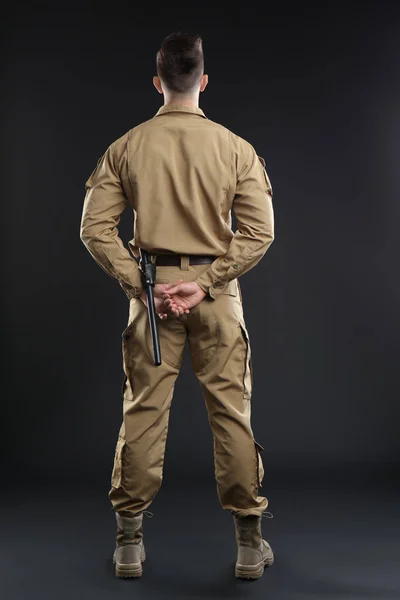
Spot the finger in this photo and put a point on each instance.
(174, 290)
(178, 307)
(172, 308)
(171, 302)
(169, 285)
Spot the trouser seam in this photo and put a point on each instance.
(218, 336)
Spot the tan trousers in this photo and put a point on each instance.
(221, 358)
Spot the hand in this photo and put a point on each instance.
(183, 296)
(161, 309)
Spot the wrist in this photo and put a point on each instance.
(201, 288)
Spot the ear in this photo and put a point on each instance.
(157, 84)
(203, 82)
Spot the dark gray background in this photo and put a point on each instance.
(317, 95)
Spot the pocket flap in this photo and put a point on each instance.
(231, 288)
(259, 463)
(248, 371)
(116, 476)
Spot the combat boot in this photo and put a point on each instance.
(129, 552)
(254, 553)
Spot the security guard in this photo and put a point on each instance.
(182, 174)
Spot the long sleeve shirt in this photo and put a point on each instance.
(182, 175)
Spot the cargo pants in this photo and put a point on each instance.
(221, 358)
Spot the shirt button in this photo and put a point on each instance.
(235, 266)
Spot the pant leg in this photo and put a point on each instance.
(147, 394)
(221, 357)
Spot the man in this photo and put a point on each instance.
(182, 174)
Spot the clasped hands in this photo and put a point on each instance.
(175, 299)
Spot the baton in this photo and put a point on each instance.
(149, 278)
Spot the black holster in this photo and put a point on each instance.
(148, 270)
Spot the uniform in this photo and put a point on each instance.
(182, 173)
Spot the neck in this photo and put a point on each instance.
(181, 101)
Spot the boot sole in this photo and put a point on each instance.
(253, 571)
(126, 571)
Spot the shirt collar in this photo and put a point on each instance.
(180, 108)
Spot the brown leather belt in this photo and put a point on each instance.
(174, 260)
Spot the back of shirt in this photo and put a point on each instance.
(182, 174)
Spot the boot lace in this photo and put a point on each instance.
(266, 514)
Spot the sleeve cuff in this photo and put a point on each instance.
(135, 288)
(212, 288)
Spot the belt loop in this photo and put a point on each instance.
(184, 263)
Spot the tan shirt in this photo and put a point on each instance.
(181, 173)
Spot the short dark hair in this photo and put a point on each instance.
(180, 61)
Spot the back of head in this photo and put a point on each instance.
(180, 62)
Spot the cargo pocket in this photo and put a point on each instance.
(116, 476)
(123, 385)
(127, 332)
(259, 464)
(230, 288)
(247, 375)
